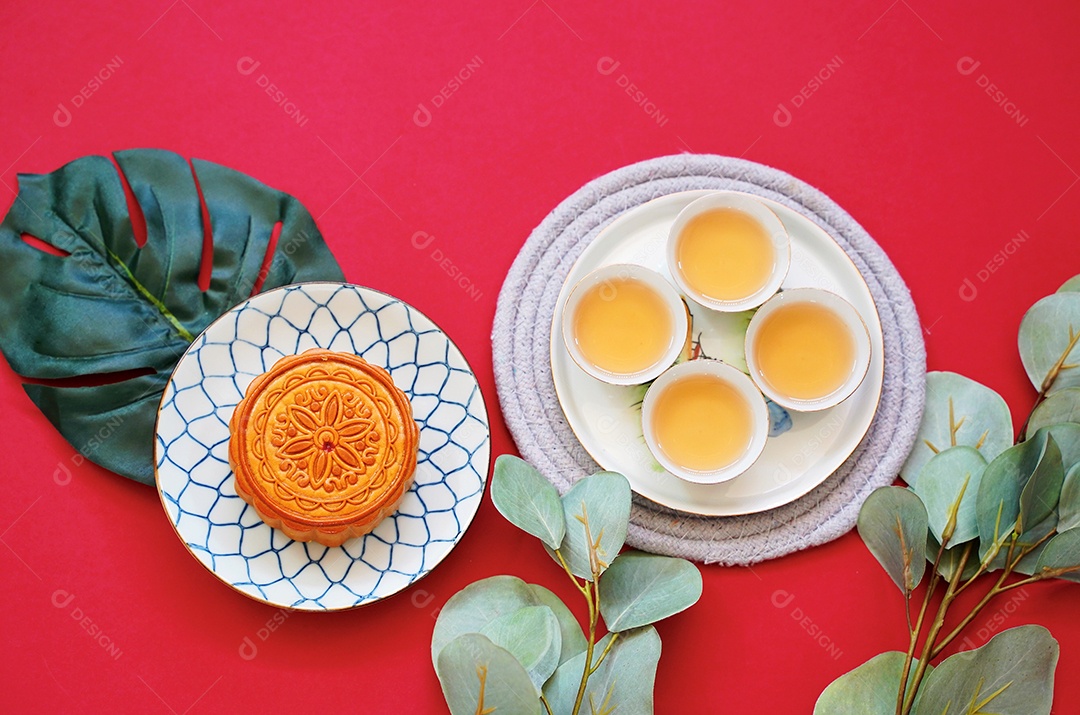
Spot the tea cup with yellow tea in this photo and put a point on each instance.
(728, 251)
(624, 324)
(807, 349)
(705, 421)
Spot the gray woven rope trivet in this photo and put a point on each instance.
(521, 351)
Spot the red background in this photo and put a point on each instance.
(915, 150)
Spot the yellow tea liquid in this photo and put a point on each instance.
(804, 351)
(702, 423)
(725, 254)
(623, 326)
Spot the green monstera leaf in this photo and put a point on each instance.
(102, 310)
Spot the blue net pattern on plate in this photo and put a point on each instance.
(226, 534)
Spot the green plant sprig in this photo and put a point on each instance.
(504, 645)
(982, 500)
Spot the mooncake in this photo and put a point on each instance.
(324, 446)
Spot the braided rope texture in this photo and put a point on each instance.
(521, 357)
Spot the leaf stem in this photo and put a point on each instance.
(141, 289)
(1001, 587)
(591, 589)
(994, 590)
(604, 653)
(934, 576)
(547, 706)
(936, 626)
(566, 567)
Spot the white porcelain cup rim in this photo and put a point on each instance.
(759, 415)
(757, 210)
(855, 324)
(655, 281)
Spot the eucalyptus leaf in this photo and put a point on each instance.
(1013, 674)
(478, 676)
(572, 638)
(1069, 504)
(997, 504)
(1062, 552)
(959, 411)
(893, 523)
(639, 589)
(1067, 436)
(623, 683)
(1073, 284)
(532, 636)
(1061, 406)
(952, 473)
(527, 500)
(1029, 564)
(603, 501)
(870, 689)
(1049, 333)
(1040, 495)
(114, 308)
(477, 605)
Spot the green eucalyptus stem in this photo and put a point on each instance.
(586, 589)
(994, 590)
(591, 589)
(1044, 575)
(1001, 587)
(547, 706)
(591, 644)
(989, 559)
(935, 628)
(604, 653)
(934, 576)
(566, 567)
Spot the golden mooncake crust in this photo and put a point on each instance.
(324, 446)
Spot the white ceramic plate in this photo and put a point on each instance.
(191, 448)
(607, 418)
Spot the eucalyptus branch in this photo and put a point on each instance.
(1031, 548)
(939, 622)
(934, 576)
(1043, 575)
(1000, 586)
(969, 422)
(994, 590)
(592, 597)
(582, 531)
